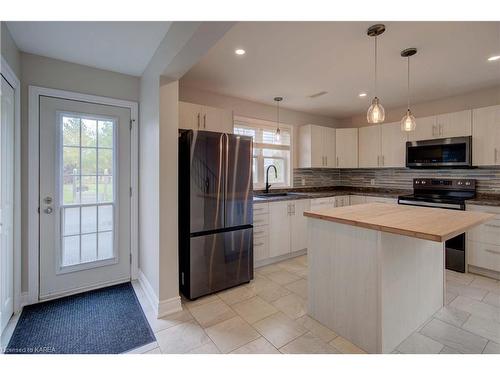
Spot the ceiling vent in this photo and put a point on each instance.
(318, 94)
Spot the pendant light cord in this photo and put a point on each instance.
(408, 83)
(278, 114)
(375, 65)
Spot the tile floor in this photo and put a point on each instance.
(269, 315)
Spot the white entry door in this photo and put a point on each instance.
(6, 203)
(84, 196)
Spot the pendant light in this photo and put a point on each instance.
(408, 122)
(376, 113)
(277, 137)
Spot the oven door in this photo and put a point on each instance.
(446, 152)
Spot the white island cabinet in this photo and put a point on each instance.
(376, 270)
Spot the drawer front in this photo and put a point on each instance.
(260, 220)
(260, 208)
(488, 232)
(320, 203)
(381, 200)
(260, 249)
(484, 255)
(260, 232)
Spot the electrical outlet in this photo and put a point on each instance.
(303, 181)
(372, 181)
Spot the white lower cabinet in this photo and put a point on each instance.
(280, 228)
(342, 201)
(483, 241)
(322, 203)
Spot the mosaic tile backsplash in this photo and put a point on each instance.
(488, 179)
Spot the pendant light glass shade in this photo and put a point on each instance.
(277, 135)
(408, 123)
(376, 113)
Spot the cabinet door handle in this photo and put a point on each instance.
(259, 244)
(496, 252)
(204, 121)
(337, 162)
(433, 130)
(259, 232)
(496, 155)
(383, 160)
(326, 161)
(492, 225)
(198, 120)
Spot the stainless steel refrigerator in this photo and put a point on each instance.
(215, 212)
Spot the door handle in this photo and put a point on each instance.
(48, 210)
(198, 120)
(204, 121)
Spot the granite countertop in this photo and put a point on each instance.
(486, 200)
(324, 192)
(313, 193)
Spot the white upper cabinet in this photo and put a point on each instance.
(369, 146)
(456, 124)
(316, 147)
(393, 145)
(486, 136)
(425, 129)
(200, 117)
(346, 147)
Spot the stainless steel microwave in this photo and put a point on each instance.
(453, 152)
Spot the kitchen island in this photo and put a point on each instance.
(376, 271)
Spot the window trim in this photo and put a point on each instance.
(253, 122)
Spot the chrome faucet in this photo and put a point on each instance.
(268, 185)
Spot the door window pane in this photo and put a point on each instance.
(89, 133)
(89, 161)
(71, 250)
(105, 218)
(105, 161)
(89, 189)
(105, 245)
(105, 188)
(87, 177)
(71, 221)
(71, 131)
(105, 129)
(89, 248)
(71, 189)
(89, 219)
(71, 160)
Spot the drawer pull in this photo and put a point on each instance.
(492, 251)
(492, 225)
(259, 232)
(259, 244)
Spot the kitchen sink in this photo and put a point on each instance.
(272, 195)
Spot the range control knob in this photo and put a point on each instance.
(467, 183)
(423, 182)
(459, 183)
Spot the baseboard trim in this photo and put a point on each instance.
(169, 306)
(24, 300)
(160, 308)
(265, 262)
(484, 272)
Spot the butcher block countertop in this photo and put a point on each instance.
(434, 224)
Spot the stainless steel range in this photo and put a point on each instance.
(449, 194)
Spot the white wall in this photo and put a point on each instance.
(475, 99)
(9, 50)
(57, 74)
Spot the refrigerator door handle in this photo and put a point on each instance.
(225, 143)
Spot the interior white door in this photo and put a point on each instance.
(6, 203)
(84, 196)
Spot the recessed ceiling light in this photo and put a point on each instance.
(362, 94)
(494, 58)
(239, 51)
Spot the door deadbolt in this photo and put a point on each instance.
(47, 200)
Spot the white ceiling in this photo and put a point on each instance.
(124, 47)
(298, 59)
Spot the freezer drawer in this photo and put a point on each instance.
(217, 261)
